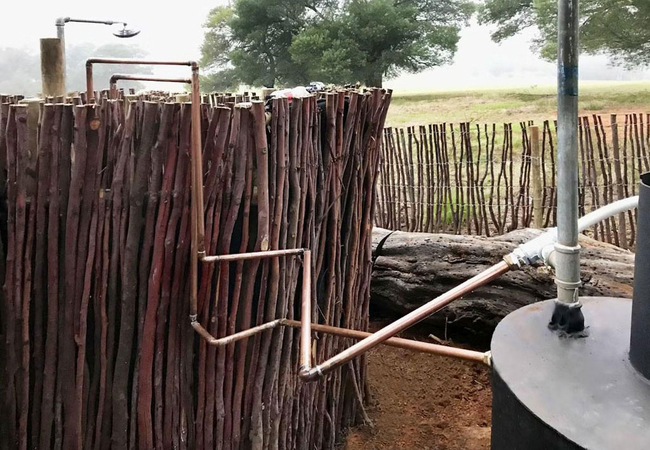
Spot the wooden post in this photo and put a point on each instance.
(33, 118)
(622, 228)
(52, 67)
(536, 178)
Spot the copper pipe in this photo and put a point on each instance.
(236, 336)
(408, 344)
(306, 282)
(255, 255)
(311, 373)
(128, 76)
(305, 331)
(90, 92)
(196, 216)
(368, 342)
(197, 225)
(197, 163)
(123, 76)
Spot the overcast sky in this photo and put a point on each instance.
(174, 32)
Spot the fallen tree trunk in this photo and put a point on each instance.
(412, 268)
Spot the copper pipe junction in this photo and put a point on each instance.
(367, 340)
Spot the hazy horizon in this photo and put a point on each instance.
(166, 34)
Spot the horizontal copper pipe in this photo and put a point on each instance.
(253, 255)
(146, 62)
(307, 372)
(128, 76)
(90, 92)
(408, 344)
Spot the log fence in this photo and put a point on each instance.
(483, 179)
(98, 351)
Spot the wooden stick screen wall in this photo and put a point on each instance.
(97, 349)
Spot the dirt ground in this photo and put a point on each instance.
(424, 402)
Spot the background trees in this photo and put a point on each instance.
(281, 42)
(616, 27)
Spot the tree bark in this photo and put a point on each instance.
(411, 269)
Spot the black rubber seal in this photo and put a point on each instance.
(567, 318)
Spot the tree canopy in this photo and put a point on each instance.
(283, 42)
(616, 27)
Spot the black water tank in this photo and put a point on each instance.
(550, 392)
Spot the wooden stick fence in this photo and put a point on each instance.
(98, 350)
(483, 179)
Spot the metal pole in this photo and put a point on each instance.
(567, 315)
(52, 67)
(60, 33)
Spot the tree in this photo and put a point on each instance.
(616, 27)
(271, 42)
(250, 43)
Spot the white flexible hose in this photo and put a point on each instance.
(607, 211)
(539, 248)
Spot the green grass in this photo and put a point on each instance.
(499, 105)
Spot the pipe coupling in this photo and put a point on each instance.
(513, 261)
(567, 249)
(568, 285)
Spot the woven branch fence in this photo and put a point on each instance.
(483, 179)
(97, 349)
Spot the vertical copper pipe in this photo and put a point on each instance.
(308, 373)
(305, 316)
(197, 165)
(194, 210)
(90, 93)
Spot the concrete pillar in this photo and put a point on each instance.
(52, 67)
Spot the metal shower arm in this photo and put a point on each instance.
(64, 20)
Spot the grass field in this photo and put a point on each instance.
(513, 104)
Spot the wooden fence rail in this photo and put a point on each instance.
(483, 179)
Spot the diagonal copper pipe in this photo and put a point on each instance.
(309, 372)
